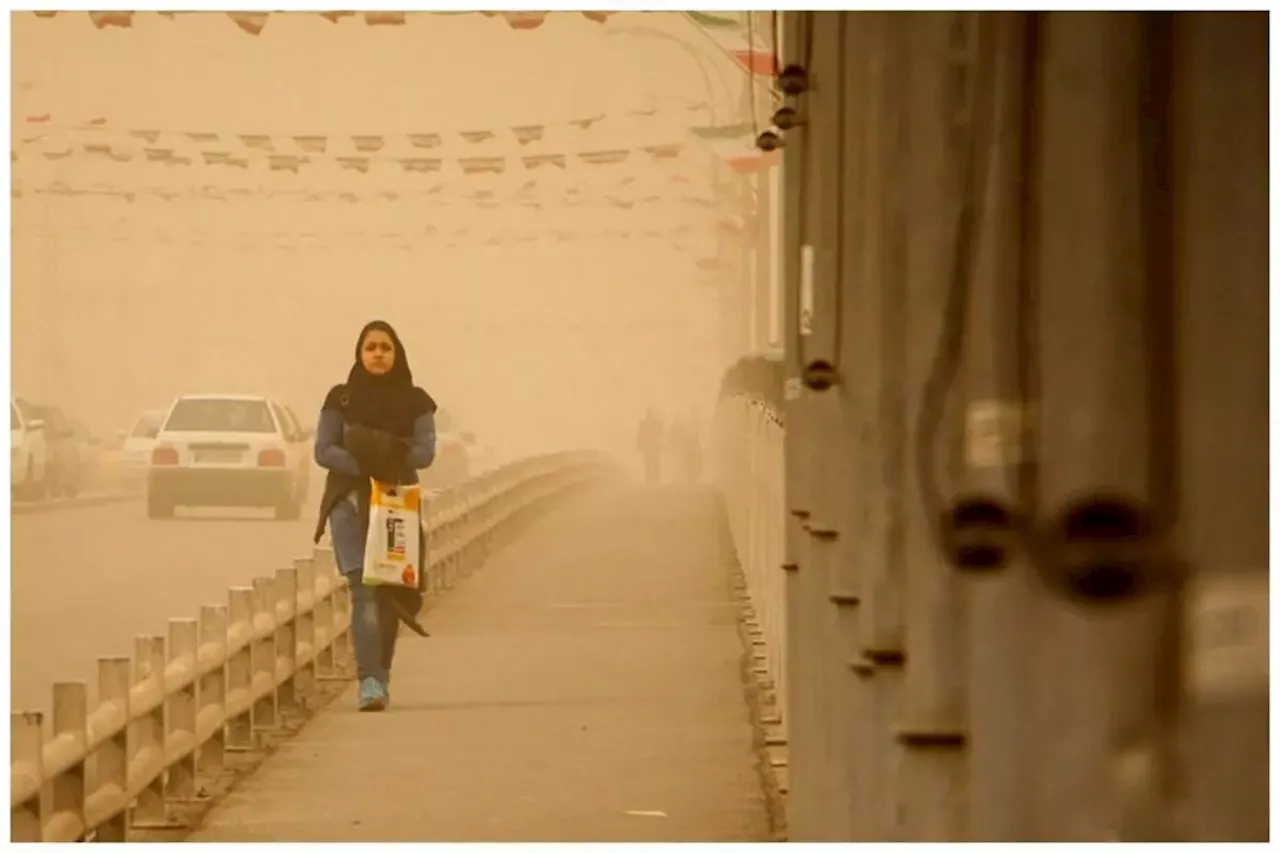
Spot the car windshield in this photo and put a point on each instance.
(220, 416)
(14, 421)
(148, 426)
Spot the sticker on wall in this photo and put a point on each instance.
(806, 289)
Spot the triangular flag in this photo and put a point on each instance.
(201, 136)
(356, 164)
(257, 141)
(422, 164)
(749, 163)
(425, 140)
(524, 20)
(533, 161)
(251, 22)
(285, 163)
(368, 142)
(670, 151)
(528, 133)
(312, 144)
(475, 136)
(737, 35)
(391, 19)
(111, 19)
(596, 158)
(740, 130)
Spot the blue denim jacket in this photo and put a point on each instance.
(346, 528)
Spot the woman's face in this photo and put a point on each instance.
(377, 352)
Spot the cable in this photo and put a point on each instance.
(945, 364)
(751, 76)
(805, 38)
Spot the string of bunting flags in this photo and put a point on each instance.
(737, 34)
(683, 237)
(410, 152)
(624, 197)
(254, 23)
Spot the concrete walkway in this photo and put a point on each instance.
(584, 686)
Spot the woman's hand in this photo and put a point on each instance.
(374, 443)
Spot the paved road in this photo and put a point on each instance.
(583, 686)
(86, 581)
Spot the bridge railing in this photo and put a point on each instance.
(748, 437)
(219, 681)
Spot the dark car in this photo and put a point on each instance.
(64, 453)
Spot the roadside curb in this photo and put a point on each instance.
(29, 507)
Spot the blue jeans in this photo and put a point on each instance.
(374, 628)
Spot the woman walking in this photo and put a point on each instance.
(376, 426)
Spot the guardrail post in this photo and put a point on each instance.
(211, 697)
(239, 730)
(264, 652)
(70, 715)
(286, 604)
(149, 731)
(323, 620)
(111, 762)
(305, 626)
(26, 742)
(183, 636)
(338, 619)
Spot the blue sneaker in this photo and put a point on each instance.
(373, 697)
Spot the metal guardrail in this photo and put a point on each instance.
(749, 440)
(219, 680)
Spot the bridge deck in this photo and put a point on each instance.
(583, 686)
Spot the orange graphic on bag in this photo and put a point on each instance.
(408, 577)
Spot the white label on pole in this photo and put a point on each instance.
(993, 433)
(1228, 641)
(792, 388)
(806, 289)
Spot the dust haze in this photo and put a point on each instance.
(121, 302)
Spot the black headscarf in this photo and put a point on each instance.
(389, 402)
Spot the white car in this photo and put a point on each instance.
(141, 439)
(225, 450)
(27, 451)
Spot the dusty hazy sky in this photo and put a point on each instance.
(118, 306)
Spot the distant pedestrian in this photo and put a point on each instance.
(649, 440)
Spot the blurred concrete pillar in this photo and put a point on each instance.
(829, 581)
(762, 264)
(875, 332)
(931, 726)
(1219, 241)
(989, 499)
(803, 728)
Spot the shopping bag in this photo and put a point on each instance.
(392, 550)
